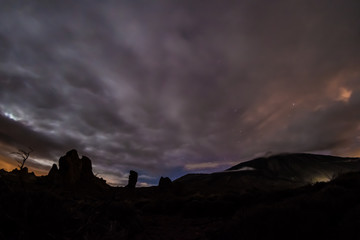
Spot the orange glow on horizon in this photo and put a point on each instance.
(6, 165)
(9, 164)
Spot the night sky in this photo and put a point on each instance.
(167, 88)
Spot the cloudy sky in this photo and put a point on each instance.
(171, 87)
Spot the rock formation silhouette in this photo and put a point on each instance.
(54, 175)
(54, 171)
(74, 171)
(164, 182)
(132, 179)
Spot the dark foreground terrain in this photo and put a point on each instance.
(73, 204)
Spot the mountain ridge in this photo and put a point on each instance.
(305, 167)
(282, 171)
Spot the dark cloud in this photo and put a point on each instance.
(168, 87)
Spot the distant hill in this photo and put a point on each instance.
(301, 167)
(274, 172)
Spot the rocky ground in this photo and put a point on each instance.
(71, 204)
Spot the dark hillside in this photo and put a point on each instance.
(228, 205)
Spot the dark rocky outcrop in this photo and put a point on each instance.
(54, 175)
(54, 171)
(23, 171)
(86, 171)
(74, 171)
(132, 179)
(164, 182)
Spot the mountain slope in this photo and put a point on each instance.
(302, 167)
(272, 173)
